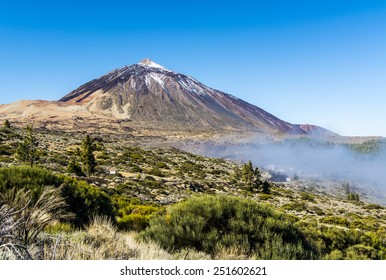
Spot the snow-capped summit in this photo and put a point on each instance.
(150, 94)
(149, 63)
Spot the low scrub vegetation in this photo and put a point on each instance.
(214, 223)
(124, 201)
(81, 199)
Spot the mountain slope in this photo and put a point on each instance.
(151, 93)
(151, 100)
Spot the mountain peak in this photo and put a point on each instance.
(148, 93)
(149, 63)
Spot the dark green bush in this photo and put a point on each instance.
(264, 196)
(86, 201)
(336, 221)
(336, 242)
(82, 199)
(361, 252)
(373, 206)
(188, 165)
(210, 223)
(156, 172)
(295, 206)
(75, 168)
(150, 183)
(59, 159)
(26, 177)
(6, 150)
(161, 164)
(317, 211)
(307, 197)
(134, 154)
(136, 169)
(135, 217)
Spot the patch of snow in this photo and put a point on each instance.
(183, 84)
(195, 87)
(233, 97)
(133, 84)
(147, 80)
(118, 73)
(149, 63)
(158, 78)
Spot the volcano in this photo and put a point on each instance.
(151, 96)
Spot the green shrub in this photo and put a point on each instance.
(210, 223)
(336, 242)
(59, 227)
(132, 213)
(136, 169)
(82, 199)
(4, 159)
(366, 224)
(161, 164)
(137, 219)
(317, 211)
(156, 172)
(264, 196)
(103, 156)
(307, 197)
(8, 133)
(373, 206)
(59, 159)
(361, 252)
(134, 154)
(189, 166)
(336, 221)
(75, 168)
(136, 222)
(86, 201)
(6, 150)
(295, 206)
(334, 255)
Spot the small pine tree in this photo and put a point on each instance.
(87, 156)
(257, 177)
(350, 195)
(353, 197)
(250, 176)
(75, 168)
(78, 152)
(257, 172)
(26, 150)
(247, 173)
(266, 187)
(7, 124)
(236, 175)
(346, 188)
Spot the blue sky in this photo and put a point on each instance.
(319, 62)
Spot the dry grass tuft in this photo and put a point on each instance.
(100, 241)
(23, 219)
(231, 253)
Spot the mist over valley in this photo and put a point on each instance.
(360, 165)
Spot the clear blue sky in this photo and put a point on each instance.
(321, 62)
